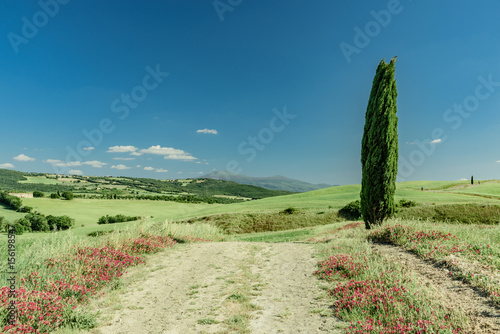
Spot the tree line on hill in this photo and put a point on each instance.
(89, 186)
(10, 181)
(169, 198)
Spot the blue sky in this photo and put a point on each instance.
(176, 89)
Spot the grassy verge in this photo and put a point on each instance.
(378, 296)
(471, 253)
(58, 275)
(239, 223)
(454, 213)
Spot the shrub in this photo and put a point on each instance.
(26, 209)
(116, 219)
(38, 194)
(61, 222)
(351, 211)
(289, 211)
(98, 233)
(3, 224)
(38, 222)
(406, 203)
(12, 202)
(19, 229)
(68, 195)
(25, 222)
(55, 196)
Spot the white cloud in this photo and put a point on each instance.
(435, 141)
(138, 166)
(60, 163)
(149, 168)
(52, 161)
(95, 163)
(6, 165)
(120, 167)
(208, 131)
(161, 170)
(124, 159)
(158, 150)
(89, 148)
(75, 172)
(122, 149)
(22, 157)
(498, 161)
(168, 153)
(185, 157)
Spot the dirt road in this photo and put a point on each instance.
(225, 287)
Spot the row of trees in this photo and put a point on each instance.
(116, 219)
(67, 195)
(169, 198)
(12, 202)
(37, 222)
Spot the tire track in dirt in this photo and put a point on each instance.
(191, 285)
(292, 294)
(483, 316)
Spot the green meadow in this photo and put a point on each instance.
(471, 213)
(86, 212)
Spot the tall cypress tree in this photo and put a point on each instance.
(379, 148)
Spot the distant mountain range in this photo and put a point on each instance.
(277, 182)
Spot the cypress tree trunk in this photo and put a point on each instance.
(379, 148)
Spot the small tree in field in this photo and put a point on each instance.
(472, 179)
(379, 148)
(68, 195)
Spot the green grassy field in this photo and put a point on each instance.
(88, 211)
(9, 214)
(40, 179)
(491, 188)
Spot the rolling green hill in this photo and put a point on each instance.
(128, 187)
(277, 182)
(436, 194)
